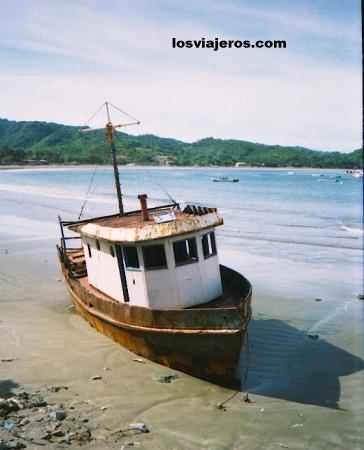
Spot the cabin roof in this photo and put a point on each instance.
(132, 228)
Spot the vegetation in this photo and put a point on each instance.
(24, 141)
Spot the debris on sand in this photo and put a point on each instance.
(8, 424)
(129, 444)
(5, 360)
(139, 426)
(221, 406)
(28, 419)
(57, 388)
(139, 360)
(57, 414)
(9, 405)
(96, 377)
(167, 378)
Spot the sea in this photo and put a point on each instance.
(297, 235)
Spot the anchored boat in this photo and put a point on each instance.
(151, 280)
(225, 180)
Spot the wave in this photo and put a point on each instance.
(315, 227)
(250, 238)
(353, 230)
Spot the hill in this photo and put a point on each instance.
(21, 141)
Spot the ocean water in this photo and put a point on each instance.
(296, 235)
(278, 224)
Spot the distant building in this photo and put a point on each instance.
(36, 162)
(164, 160)
(240, 164)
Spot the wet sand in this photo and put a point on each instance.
(305, 394)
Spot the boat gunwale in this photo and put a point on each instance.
(149, 316)
(120, 324)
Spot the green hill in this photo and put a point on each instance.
(20, 141)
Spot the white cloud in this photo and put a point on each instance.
(270, 96)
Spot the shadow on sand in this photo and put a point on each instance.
(285, 363)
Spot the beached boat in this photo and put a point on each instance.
(225, 180)
(151, 280)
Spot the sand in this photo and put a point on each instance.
(305, 394)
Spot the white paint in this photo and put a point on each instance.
(135, 279)
(151, 231)
(102, 268)
(173, 287)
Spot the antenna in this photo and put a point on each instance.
(110, 131)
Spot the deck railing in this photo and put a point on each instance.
(64, 238)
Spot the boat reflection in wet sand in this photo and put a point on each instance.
(151, 280)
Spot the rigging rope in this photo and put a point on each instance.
(162, 188)
(124, 112)
(243, 381)
(87, 193)
(95, 113)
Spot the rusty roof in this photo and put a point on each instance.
(133, 228)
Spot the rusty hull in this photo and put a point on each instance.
(203, 341)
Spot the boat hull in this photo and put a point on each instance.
(210, 354)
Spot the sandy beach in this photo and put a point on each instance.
(53, 346)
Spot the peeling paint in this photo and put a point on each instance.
(147, 231)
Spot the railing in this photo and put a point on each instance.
(128, 213)
(64, 238)
(75, 269)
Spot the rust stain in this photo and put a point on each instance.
(203, 341)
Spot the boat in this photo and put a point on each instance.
(150, 279)
(225, 180)
(356, 173)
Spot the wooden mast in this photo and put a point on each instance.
(110, 130)
(110, 137)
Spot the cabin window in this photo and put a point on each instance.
(209, 244)
(154, 257)
(131, 257)
(97, 245)
(185, 251)
(89, 251)
(112, 252)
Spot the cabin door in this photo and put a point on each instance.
(129, 258)
(124, 284)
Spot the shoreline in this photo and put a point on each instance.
(109, 166)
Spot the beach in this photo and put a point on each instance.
(296, 239)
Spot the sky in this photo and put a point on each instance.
(60, 60)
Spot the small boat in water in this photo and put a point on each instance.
(356, 173)
(225, 180)
(151, 280)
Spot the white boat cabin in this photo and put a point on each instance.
(156, 258)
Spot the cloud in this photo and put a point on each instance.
(82, 54)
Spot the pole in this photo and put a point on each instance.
(117, 179)
(109, 132)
